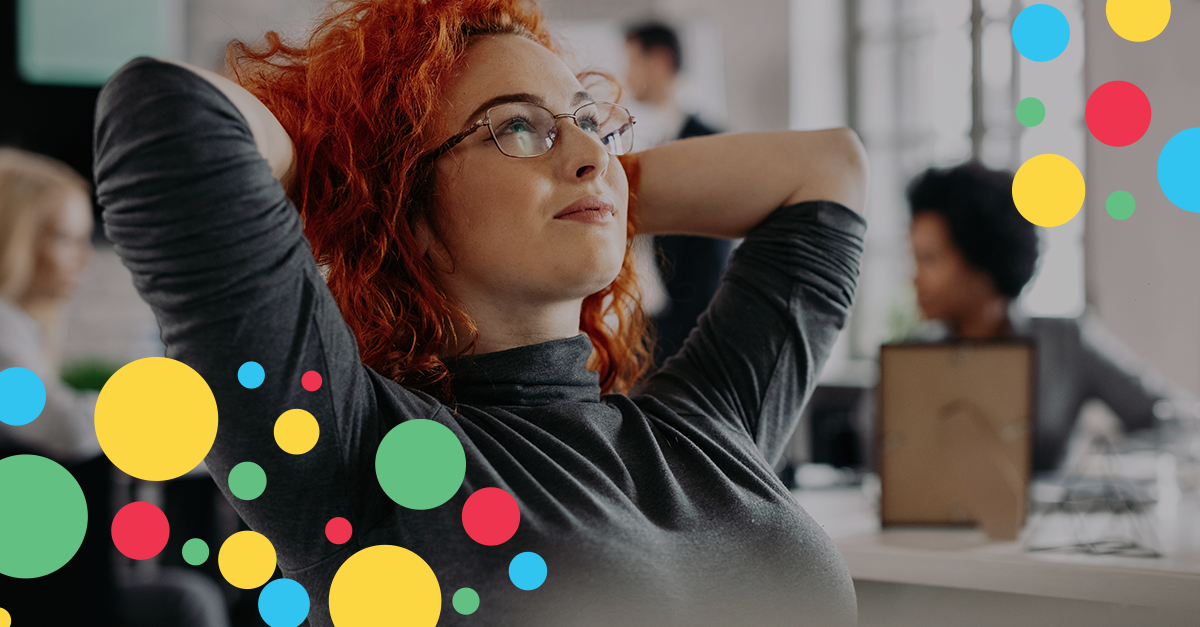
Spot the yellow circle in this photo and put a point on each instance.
(5, 619)
(156, 419)
(1048, 190)
(247, 560)
(296, 431)
(385, 585)
(1138, 20)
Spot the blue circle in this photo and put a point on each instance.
(22, 396)
(283, 603)
(1041, 32)
(1179, 170)
(527, 571)
(251, 375)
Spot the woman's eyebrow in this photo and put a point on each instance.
(579, 98)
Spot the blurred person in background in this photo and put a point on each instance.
(45, 245)
(689, 267)
(974, 253)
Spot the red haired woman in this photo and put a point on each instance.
(470, 222)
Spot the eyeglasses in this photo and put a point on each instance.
(523, 129)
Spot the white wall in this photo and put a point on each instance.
(1142, 272)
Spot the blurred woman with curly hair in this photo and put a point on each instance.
(425, 206)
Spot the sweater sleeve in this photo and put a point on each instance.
(218, 251)
(756, 352)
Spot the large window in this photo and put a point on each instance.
(935, 83)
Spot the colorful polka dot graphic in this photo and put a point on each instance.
(1118, 113)
(140, 530)
(24, 396)
(1041, 32)
(45, 516)
(491, 516)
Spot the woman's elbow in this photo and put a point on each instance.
(836, 172)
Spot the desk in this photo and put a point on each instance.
(956, 577)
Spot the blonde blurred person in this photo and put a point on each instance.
(45, 246)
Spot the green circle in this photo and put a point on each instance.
(195, 551)
(43, 519)
(247, 481)
(466, 601)
(420, 464)
(1120, 205)
(1031, 111)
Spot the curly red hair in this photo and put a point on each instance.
(356, 102)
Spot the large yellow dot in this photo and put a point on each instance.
(156, 419)
(1048, 190)
(385, 585)
(246, 560)
(296, 431)
(1138, 20)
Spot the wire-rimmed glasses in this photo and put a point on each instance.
(524, 129)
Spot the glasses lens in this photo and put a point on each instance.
(610, 124)
(522, 129)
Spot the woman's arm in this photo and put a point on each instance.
(723, 185)
(273, 142)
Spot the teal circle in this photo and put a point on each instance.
(1120, 205)
(420, 464)
(283, 603)
(251, 375)
(247, 481)
(1178, 165)
(1041, 32)
(195, 551)
(1030, 111)
(527, 571)
(465, 601)
(43, 516)
(23, 395)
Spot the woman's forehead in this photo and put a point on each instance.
(496, 65)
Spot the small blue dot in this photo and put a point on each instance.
(1179, 170)
(251, 375)
(22, 396)
(527, 571)
(1041, 32)
(283, 603)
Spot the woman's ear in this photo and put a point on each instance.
(430, 245)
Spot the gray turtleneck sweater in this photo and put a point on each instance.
(658, 508)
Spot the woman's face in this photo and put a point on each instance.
(947, 286)
(502, 218)
(63, 248)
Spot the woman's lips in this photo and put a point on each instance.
(589, 210)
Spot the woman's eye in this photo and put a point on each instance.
(516, 125)
(589, 123)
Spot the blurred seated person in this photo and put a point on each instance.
(689, 267)
(974, 253)
(45, 245)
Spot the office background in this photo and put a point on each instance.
(924, 82)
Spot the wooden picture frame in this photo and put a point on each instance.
(954, 438)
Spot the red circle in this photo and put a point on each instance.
(491, 516)
(338, 530)
(140, 530)
(1118, 113)
(311, 381)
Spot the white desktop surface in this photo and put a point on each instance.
(963, 559)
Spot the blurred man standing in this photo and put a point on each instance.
(690, 266)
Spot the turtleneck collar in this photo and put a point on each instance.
(538, 374)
